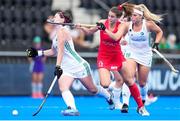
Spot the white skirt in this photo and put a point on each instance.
(81, 71)
(143, 57)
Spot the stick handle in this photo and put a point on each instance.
(69, 24)
(87, 25)
(168, 63)
(52, 85)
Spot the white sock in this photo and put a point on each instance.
(39, 87)
(68, 99)
(116, 93)
(125, 94)
(143, 91)
(103, 92)
(34, 87)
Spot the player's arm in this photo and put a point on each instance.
(62, 36)
(89, 31)
(49, 52)
(122, 30)
(152, 26)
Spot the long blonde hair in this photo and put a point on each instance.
(148, 14)
(129, 7)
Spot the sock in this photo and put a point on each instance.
(68, 99)
(125, 94)
(116, 92)
(143, 91)
(34, 87)
(39, 87)
(103, 92)
(136, 95)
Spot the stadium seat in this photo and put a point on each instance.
(168, 4)
(160, 4)
(18, 16)
(176, 4)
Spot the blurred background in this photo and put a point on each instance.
(21, 21)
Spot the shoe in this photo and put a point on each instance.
(125, 108)
(143, 101)
(70, 112)
(142, 111)
(111, 104)
(150, 99)
(110, 101)
(40, 95)
(34, 95)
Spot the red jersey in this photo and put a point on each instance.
(109, 55)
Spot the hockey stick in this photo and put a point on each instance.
(69, 24)
(167, 62)
(48, 93)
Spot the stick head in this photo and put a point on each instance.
(176, 71)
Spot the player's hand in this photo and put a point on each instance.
(32, 52)
(155, 46)
(100, 26)
(77, 26)
(58, 71)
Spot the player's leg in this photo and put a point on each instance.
(88, 83)
(125, 98)
(116, 88)
(65, 83)
(128, 72)
(143, 72)
(34, 85)
(105, 82)
(104, 76)
(40, 76)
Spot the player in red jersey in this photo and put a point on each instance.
(110, 57)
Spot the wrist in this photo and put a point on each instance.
(58, 66)
(40, 53)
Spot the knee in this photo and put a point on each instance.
(142, 83)
(105, 85)
(93, 91)
(62, 88)
(129, 81)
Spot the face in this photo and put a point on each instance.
(59, 18)
(112, 17)
(136, 18)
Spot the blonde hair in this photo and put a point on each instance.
(148, 14)
(129, 8)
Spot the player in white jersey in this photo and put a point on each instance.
(69, 65)
(142, 22)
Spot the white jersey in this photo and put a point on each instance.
(139, 45)
(72, 64)
(124, 47)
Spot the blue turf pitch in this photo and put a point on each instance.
(91, 108)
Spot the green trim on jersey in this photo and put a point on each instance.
(72, 52)
(88, 70)
(76, 56)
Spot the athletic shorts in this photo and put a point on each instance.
(84, 71)
(111, 62)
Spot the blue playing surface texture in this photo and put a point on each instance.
(90, 108)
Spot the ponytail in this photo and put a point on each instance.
(128, 9)
(149, 15)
